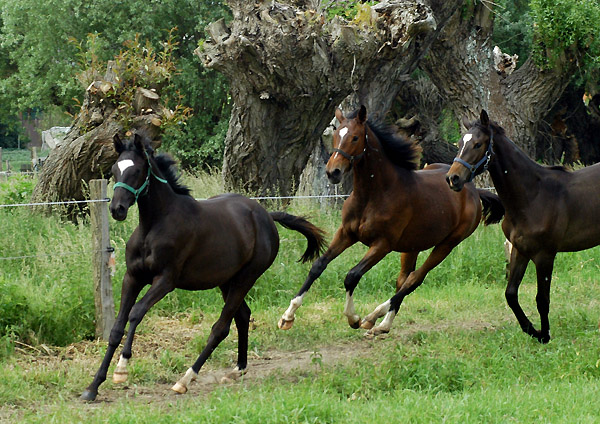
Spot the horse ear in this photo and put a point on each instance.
(118, 144)
(339, 115)
(483, 117)
(137, 142)
(362, 114)
(466, 123)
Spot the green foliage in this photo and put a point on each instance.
(566, 27)
(449, 128)
(513, 28)
(347, 9)
(17, 190)
(31, 77)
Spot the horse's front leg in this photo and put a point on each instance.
(518, 265)
(544, 264)
(375, 253)
(161, 286)
(129, 293)
(341, 241)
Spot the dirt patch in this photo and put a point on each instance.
(173, 333)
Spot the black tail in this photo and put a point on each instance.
(314, 235)
(493, 209)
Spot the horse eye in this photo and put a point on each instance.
(355, 138)
(477, 145)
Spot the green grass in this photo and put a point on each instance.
(455, 353)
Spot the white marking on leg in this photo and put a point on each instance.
(349, 310)
(124, 164)
(182, 385)
(379, 311)
(120, 373)
(294, 305)
(386, 324)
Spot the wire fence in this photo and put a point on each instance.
(106, 200)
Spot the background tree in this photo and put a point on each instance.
(38, 65)
(128, 97)
(289, 66)
(461, 64)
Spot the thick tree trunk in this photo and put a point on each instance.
(461, 65)
(289, 68)
(87, 150)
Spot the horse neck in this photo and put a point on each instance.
(375, 171)
(514, 174)
(157, 201)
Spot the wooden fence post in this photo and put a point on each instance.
(105, 305)
(0, 158)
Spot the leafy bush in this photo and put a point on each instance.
(17, 190)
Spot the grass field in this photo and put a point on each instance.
(455, 353)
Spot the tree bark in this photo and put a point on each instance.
(87, 151)
(461, 65)
(289, 68)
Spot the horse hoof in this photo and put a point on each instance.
(285, 324)
(179, 388)
(375, 331)
(366, 325)
(120, 377)
(88, 396)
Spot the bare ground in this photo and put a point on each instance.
(173, 333)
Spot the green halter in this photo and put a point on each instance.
(140, 190)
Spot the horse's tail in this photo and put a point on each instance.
(314, 235)
(493, 209)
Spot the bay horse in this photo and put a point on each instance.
(227, 241)
(393, 207)
(548, 209)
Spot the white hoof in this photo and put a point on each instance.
(179, 388)
(120, 377)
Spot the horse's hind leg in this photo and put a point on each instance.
(238, 288)
(408, 263)
(242, 323)
(129, 293)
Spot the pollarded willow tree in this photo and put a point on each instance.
(125, 97)
(463, 66)
(290, 65)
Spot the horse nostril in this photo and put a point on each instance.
(448, 179)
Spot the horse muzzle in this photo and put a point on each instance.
(334, 176)
(455, 181)
(118, 211)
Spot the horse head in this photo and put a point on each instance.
(349, 143)
(131, 172)
(474, 154)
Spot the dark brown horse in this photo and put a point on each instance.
(227, 241)
(393, 207)
(548, 209)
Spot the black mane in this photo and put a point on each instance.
(165, 163)
(167, 167)
(399, 150)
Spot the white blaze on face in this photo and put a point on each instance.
(466, 139)
(124, 164)
(342, 134)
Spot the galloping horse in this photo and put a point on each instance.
(227, 241)
(548, 209)
(393, 207)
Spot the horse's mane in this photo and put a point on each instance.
(402, 152)
(498, 130)
(167, 166)
(165, 163)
